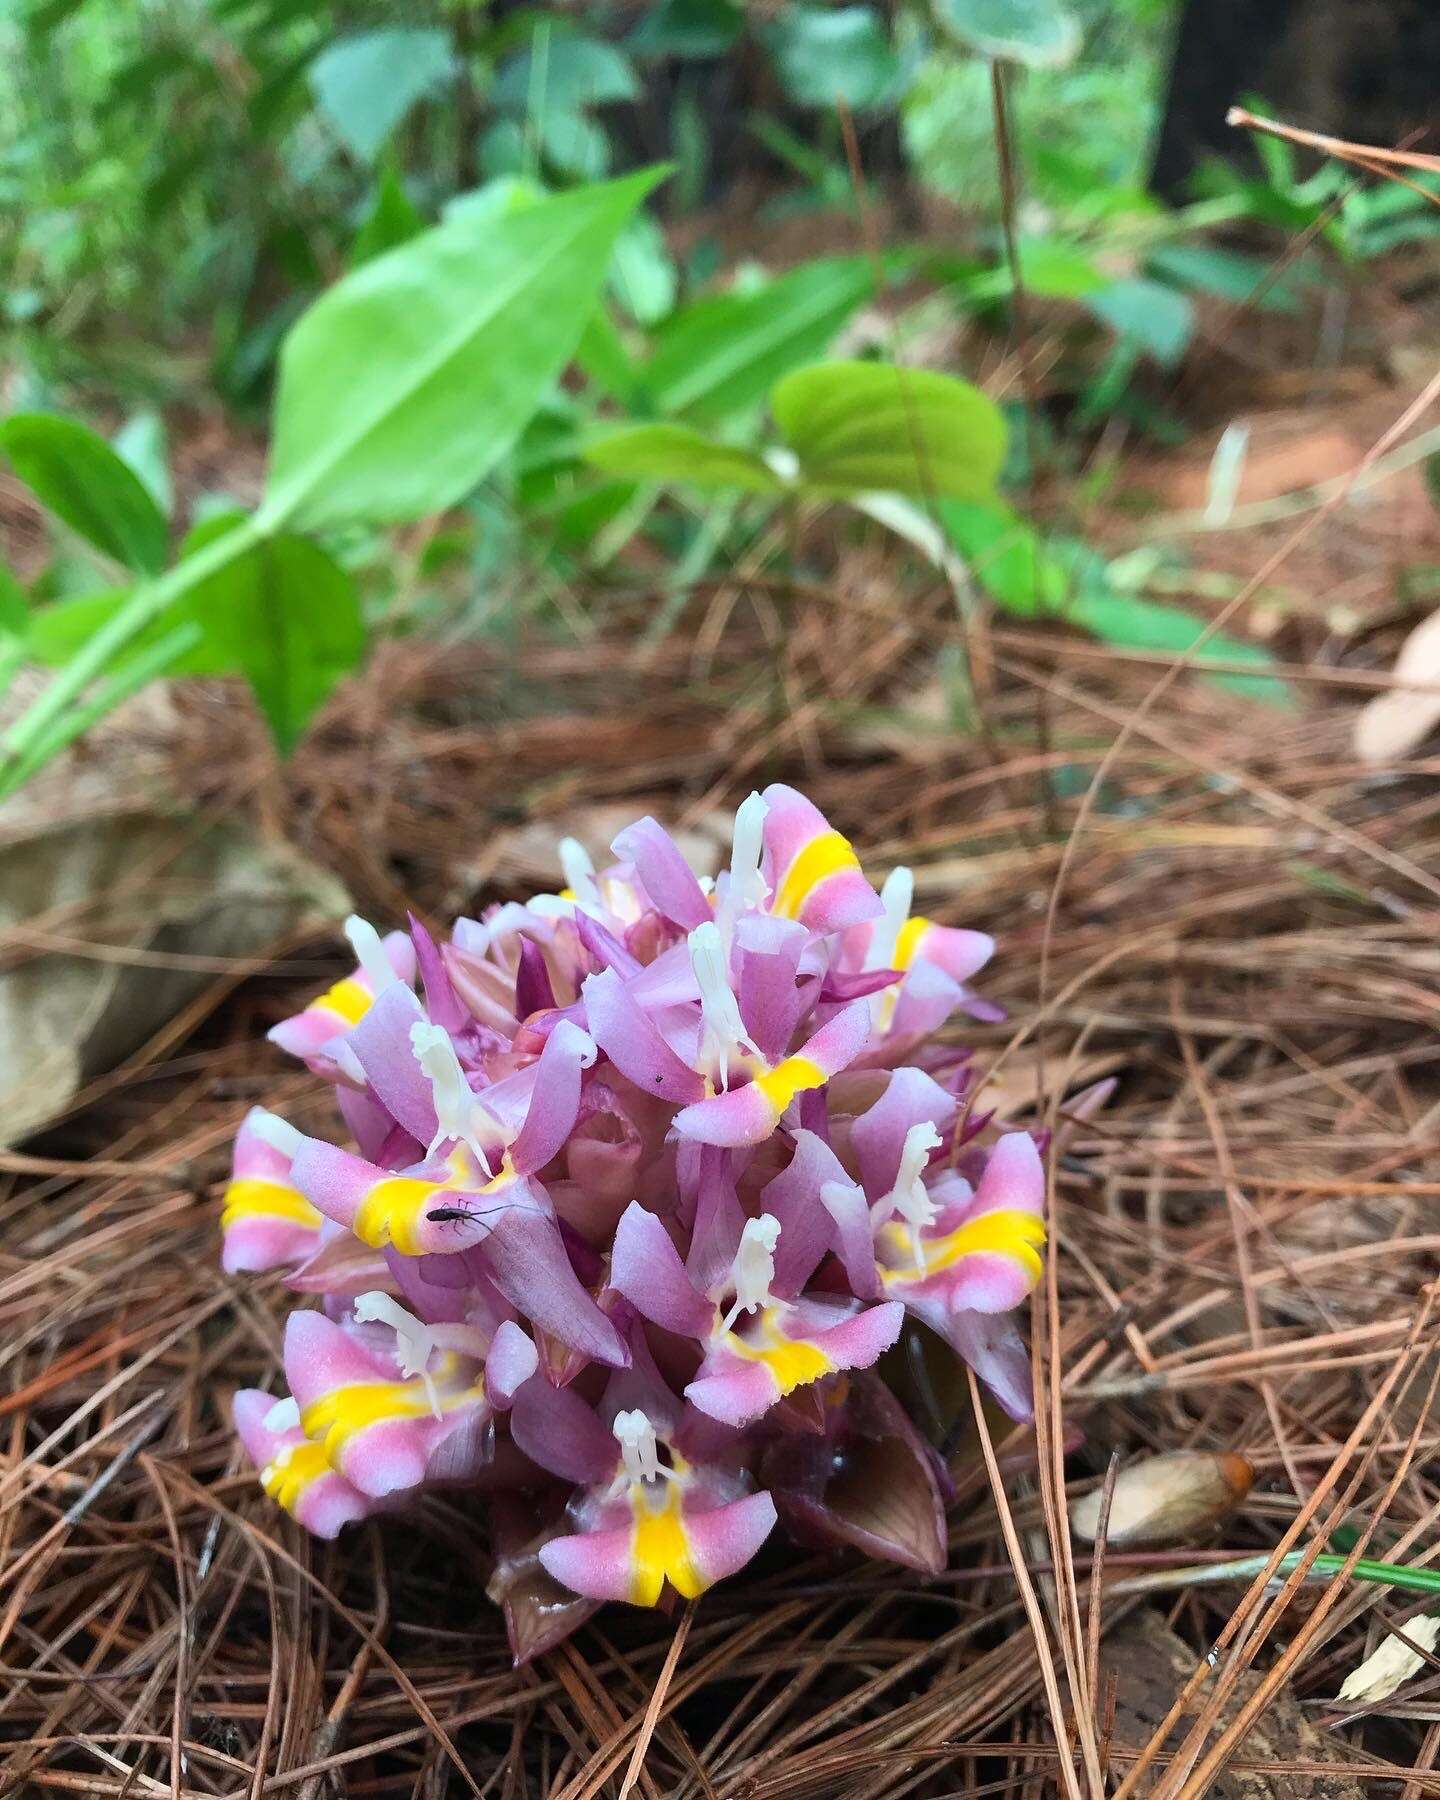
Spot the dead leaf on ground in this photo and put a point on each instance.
(1392, 724)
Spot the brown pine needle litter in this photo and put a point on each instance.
(1206, 901)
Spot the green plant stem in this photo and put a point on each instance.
(1246, 1568)
(44, 722)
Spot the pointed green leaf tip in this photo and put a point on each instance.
(403, 385)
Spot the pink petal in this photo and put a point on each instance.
(668, 880)
(631, 1040)
(598, 1564)
(724, 1538)
(646, 1267)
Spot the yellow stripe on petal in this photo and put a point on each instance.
(907, 942)
(787, 1079)
(793, 1362)
(660, 1549)
(349, 1000)
(391, 1213)
(1004, 1232)
(253, 1197)
(342, 1414)
(292, 1471)
(824, 856)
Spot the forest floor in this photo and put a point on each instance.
(1214, 901)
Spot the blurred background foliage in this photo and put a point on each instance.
(180, 180)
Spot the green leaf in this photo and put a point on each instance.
(1148, 315)
(604, 358)
(287, 617)
(283, 614)
(391, 221)
(365, 85)
(1430, 470)
(1007, 557)
(671, 453)
(141, 443)
(85, 483)
(642, 277)
(1134, 624)
(565, 74)
(492, 199)
(1065, 579)
(406, 383)
(860, 427)
(1042, 34)
(687, 28)
(14, 606)
(720, 356)
(574, 145)
(1247, 280)
(830, 55)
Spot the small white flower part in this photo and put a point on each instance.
(278, 1133)
(909, 1197)
(458, 1114)
(754, 1268)
(896, 897)
(722, 1030)
(284, 1415)
(580, 874)
(746, 887)
(414, 1340)
(370, 953)
(638, 1448)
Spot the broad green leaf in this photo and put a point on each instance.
(1134, 624)
(85, 483)
(504, 194)
(1150, 316)
(671, 453)
(391, 221)
(1007, 557)
(565, 74)
(141, 442)
(687, 28)
(860, 427)
(405, 383)
(642, 277)
(283, 614)
(574, 145)
(365, 85)
(720, 356)
(605, 359)
(1039, 33)
(1247, 280)
(288, 617)
(58, 631)
(14, 606)
(1065, 579)
(826, 55)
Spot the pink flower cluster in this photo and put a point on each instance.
(647, 1175)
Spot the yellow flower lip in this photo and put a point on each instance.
(1004, 1232)
(826, 855)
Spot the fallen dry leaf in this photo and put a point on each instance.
(1392, 724)
(1162, 1499)
(1393, 1663)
